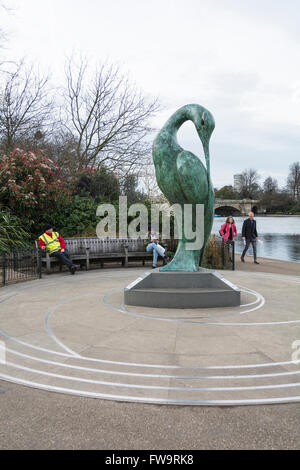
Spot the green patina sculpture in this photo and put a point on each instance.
(183, 178)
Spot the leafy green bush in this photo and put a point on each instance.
(101, 184)
(296, 208)
(77, 216)
(170, 254)
(12, 235)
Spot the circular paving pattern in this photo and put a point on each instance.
(73, 334)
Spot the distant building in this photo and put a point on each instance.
(237, 180)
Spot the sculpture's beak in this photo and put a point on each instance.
(207, 156)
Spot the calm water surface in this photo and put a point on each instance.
(279, 236)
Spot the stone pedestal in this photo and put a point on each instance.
(205, 289)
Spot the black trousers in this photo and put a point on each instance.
(64, 257)
(248, 242)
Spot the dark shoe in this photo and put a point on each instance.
(242, 260)
(153, 267)
(73, 269)
(256, 262)
(165, 260)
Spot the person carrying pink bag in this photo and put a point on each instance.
(228, 230)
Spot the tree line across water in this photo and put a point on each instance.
(276, 200)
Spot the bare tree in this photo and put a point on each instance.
(249, 186)
(270, 185)
(107, 117)
(149, 182)
(25, 109)
(293, 181)
(61, 148)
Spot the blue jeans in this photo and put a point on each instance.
(156, 251)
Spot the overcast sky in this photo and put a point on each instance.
(238, 58)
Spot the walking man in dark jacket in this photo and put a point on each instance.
(249, 234)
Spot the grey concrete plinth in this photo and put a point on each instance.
(204, 289)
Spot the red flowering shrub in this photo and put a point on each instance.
(30, 185)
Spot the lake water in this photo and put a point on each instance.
(280, 236)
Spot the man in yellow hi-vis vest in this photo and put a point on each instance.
(55, 245)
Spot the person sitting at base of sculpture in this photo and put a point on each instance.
(157, 249)
(55, 245)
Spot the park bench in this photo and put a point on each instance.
(83, 251)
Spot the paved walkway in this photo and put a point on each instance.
(267, 265)
(72, 334)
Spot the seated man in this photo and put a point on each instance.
(156, 248)
(55, 245)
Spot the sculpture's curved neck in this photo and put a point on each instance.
(178, 118)
(186, 113)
